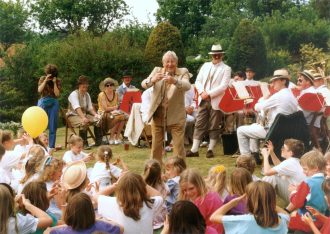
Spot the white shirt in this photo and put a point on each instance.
(252, 82)
(69, 156)
(291, 170)
(145, 103)
(26, 224)
(99, 171)
(281, 102)
(74, 100)
(109, 208)
(9, 161)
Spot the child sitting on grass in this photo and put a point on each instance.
(75, 153)
(309, 192)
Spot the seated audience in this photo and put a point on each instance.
(216, 181)
(185, 217)
(134, 206)
(309, 192)
(285, 173)
(13, 222)
(81, 112)
(75, 153)
(108, 104)
(193, 188)
(263, 215)
(249, 164)
(79, 217)
(174, 166)
(239, 180)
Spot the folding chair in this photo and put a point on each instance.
(68, 126)
(288, 126)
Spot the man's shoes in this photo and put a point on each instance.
(209, 154)
(256, 157)
(189, 153)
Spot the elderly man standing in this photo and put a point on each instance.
(211, 83)
(167, 107)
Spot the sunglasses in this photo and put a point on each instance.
(109, 85)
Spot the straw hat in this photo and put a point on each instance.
(106, 81)
(216, 49)
(74, 175)
(308, 74)
(280, 74)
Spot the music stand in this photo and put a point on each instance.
(311, 102)
(129, 98)
(230, 102)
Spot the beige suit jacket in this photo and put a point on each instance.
(175, 111)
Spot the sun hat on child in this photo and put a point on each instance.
(74, 175)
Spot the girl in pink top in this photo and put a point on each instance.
(193, 188)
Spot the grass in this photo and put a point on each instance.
(135, 157)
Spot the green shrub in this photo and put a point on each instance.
(164, 37)
(248, 49)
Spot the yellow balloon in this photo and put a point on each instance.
(34, 121)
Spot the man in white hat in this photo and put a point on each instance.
(305, 83)
(322, 89)
(283, 101)
(211, 83)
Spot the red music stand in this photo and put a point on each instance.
(230, 102)
(311, 102)
(295, 92)
(255, 93)
(129, 98)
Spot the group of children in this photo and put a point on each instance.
(39, 192)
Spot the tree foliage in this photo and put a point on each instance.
(164, 37)
(248, 49)
(78, 54)
(296, 27)
(97, 16)
(187, 15)
(13, 19)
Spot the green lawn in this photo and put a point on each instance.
(135, 157)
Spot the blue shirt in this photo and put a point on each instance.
(240, 224)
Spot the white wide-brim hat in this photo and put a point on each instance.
(216, 49)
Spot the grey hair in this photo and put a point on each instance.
(170, 53)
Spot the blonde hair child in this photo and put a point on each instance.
(33, 166)
(103, 171)
(51, 175)
(75, 153)
(174, 166)
(239, 179)
(216, 180)
(193, 188)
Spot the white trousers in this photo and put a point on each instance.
(248, 138)
(281, 186)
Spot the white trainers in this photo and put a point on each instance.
(111, 142)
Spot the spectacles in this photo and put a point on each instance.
(300, 80)
(109, 85)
